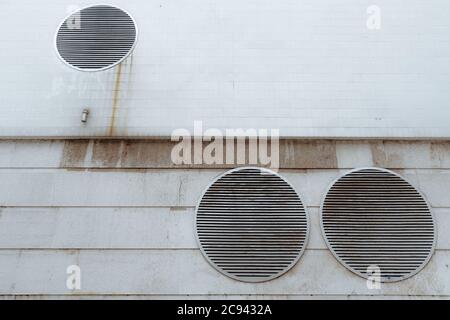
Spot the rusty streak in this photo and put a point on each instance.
(115, 104)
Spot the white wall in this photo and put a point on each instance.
(310, 68)
(130, 225)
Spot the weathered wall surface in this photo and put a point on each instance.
(310, 68)
(123, 213)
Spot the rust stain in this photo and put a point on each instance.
(74, 153)
(439, 151)
(306, 154)
(378, 153)
(294, 154)
(115, 104)
(125, 92)
(130, 73)
(107, 153)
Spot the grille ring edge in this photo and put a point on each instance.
(112, 65)
(292, 263)
(419, 193)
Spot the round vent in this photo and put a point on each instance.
(375, 222)
(96, 38)
(251, 225)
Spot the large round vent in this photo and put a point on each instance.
(377, 224)
(96, 38)
(251, 225)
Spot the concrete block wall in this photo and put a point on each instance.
(125, 214)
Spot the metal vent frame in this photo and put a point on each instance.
(338, 258)
(130, 51)
(294, 261)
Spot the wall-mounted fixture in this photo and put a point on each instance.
(372, 218)
(84, 115)
(96, 38)
(251, 225)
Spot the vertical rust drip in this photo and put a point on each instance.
(115, 104)
(128, 90)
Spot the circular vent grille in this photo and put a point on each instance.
(373, 217)
(96, 38)
(251, 225)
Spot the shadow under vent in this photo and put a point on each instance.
(96, 38)
(251, 225)
(373, 217)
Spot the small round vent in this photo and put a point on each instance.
(376, 223)
(96, 38)
(251, 225)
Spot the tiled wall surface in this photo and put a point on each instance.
(309, 68)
